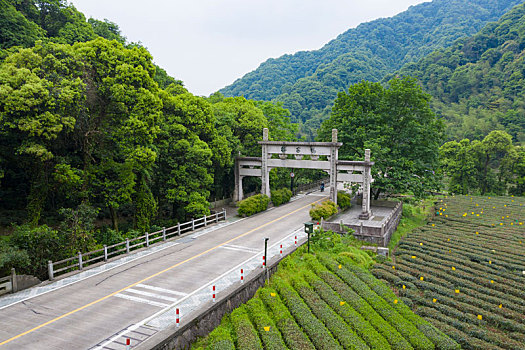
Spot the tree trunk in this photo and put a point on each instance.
(114, 218)
(376, 194)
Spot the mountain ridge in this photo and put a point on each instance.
(307, 82)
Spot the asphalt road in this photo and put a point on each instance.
(84, 315)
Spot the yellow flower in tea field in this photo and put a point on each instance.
(446, 216)
(457, 291)
(413, 256)
(453, 268)
(393, 267)
(273, 294)
(421, 243)
(395, 301)
(491, 281)
(421, 278)
(434, 300)
(500, 306)
(490, 262)
(465, 214)
(480, 317)
(342, 303)
(477, 232)
(433, 225)
(448, 239)
(340, 267)
(477, 214)
(267, 329)
(404, 287)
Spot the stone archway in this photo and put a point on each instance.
(339, 170)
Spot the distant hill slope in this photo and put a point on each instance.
(477, 84)
(308, 81)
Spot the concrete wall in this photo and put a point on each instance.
(199, 325)
(26, 281)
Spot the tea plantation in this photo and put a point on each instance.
(326, 300)
(464, 271)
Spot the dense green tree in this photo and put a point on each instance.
(459, 163)
(36, 106)
(487, 166)
(477, 83)
(15, 29)
(107, 29)
(396, 123)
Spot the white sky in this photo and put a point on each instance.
(209, 43)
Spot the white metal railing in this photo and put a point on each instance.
(79, 261)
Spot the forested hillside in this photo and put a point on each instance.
(97, 144)
(477, 84)
(308, 81)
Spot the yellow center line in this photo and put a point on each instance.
(151, 276)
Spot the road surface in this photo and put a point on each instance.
(93, 312)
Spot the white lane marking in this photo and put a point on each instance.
(239, 248)
(141, 300)
(152, 295)
(159, 289)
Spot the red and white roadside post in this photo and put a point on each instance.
(296, 241)
(128, 344)
(264, 260)
(242, 275)
(177, 319)
(281, 250)
(213, 296)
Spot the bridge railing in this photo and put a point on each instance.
(81, 260)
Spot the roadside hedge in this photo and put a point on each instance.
(344, 200)
(281, 196)
(323, 210)
(253, 204)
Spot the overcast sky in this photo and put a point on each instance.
(210, 43)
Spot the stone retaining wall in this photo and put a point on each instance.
(377, 235)
(199, 325)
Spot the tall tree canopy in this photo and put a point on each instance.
(397, 124)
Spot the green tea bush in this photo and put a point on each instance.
(383, 308)
(292, 333)
(220, 339)
(313, 327)
(281, 196)
(253, 204)
(344, 200)
(337, 326)
(246, 334)
(268, 332)
(361, 326)
(323, 210)
(437, 337)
